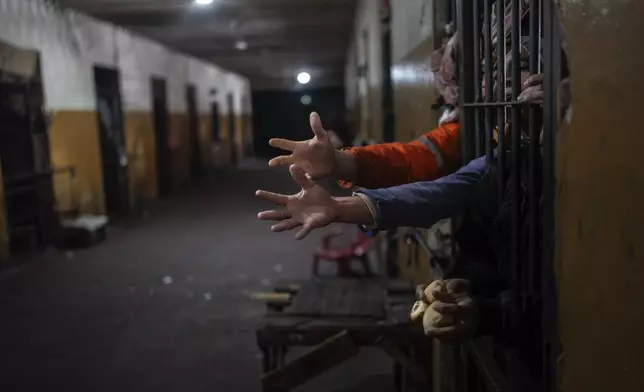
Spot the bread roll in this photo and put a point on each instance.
(417, 310)
(435, 286)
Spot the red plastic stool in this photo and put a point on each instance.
(358, 251)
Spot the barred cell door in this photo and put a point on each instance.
(505, 47)
(24, 156)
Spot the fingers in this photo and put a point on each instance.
(533, 80)
(281, 161)
(288, 224)
(274, 215)
(532, 94)
(284, 144)
(316, 126)
(444, 297)
(446, 308)
(300, 177)
(272, 197)
(306, 230)
(458, 286)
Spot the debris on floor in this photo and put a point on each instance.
(84, 230)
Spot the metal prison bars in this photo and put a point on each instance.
(486, 115)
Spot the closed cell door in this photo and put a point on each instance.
(113, 153)
(20, 180)
(196, 166)
(232, 130)
(164, 157)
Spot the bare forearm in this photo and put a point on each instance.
(354, 210)
(346, 167)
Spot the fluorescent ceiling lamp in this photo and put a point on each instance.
(203, 2)
(303, 77)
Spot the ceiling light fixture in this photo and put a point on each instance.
(303, 77)
(241, 45)
(203, 2)
(306, 100)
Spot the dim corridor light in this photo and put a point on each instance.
(241, 45)
(303, 77)
(203, 2)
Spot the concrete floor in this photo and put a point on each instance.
(162, 305)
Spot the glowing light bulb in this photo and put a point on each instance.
(303, 77)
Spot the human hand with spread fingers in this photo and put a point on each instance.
(317, 156)
(435, 154)
(312, 207)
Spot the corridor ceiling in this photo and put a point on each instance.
(283, 37)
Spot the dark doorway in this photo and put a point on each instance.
(26, 172)
(281, 114)
(164, 157)
(214, 125)
(232, 129)
(193, 132)
(113, 153)
(247, 131)
(388, 132)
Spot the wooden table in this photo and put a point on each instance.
(336, 317)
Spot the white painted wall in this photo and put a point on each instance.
(411, 23)
(70, 44)
(351, 76)
(367, 19)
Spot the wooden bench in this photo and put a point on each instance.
(336, 317)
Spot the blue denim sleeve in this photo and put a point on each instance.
(422, 204)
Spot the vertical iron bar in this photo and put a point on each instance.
(500, 91)
(476, 23)
(461, 357)
(487, 36)
(465, 76)
(552, 72)
(515, 127)
(533, 153)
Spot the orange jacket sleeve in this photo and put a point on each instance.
(435, 154)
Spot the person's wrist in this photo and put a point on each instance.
(344, 165)
(325, 166)
(352, 209)
(335, 210)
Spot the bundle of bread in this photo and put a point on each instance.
(424, 308)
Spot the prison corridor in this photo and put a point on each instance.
(163, 303)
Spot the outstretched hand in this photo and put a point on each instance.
(311, 208)
(315, 156)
